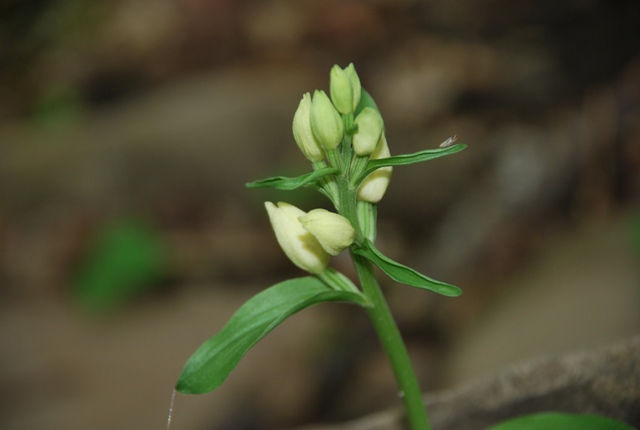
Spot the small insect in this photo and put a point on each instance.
(450, 141)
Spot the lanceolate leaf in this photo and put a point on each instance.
(561, 421)
(404, 274)
(212, 362)
(417, 157)
(286, 183)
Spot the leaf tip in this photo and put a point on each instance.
(183, 388)
(453, 291)
(188, 386)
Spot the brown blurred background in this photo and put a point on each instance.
(128, 129)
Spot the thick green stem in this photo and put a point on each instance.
(393, 345)
(379, 312)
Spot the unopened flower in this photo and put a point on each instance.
(302, 248)
(375, 184)
(345, 88)
(326, 122)
(302, 132)
(370, 128)
(333, 231)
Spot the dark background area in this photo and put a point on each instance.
(129, 128)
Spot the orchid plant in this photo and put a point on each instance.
(343, 137)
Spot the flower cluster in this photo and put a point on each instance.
(309, 239)
(342, 132)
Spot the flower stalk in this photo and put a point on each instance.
(344, 139)
(350, 134)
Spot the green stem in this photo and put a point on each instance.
(393, 345)
(379, 312)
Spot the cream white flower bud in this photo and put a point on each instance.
(375, 184)
(326, 122)
(302, 133)
(345, 88)
(333, 231)
(370, 128)
(302, 248)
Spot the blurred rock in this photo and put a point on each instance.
(601, 382)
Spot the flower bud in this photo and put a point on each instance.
(345, 88)
(355, 83)
(333, 231)
(326, 122)
(302, 248)
(302, 133)
(370, 127)
(375, 184)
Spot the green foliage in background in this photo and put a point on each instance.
(561, 421)
(125, 259)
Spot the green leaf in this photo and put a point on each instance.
(417, 157)
(404, 274)
(561, 421)
(365, 101)
(212, 362)
(286, 183)
(337, 280)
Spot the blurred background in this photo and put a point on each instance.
(128, 129)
